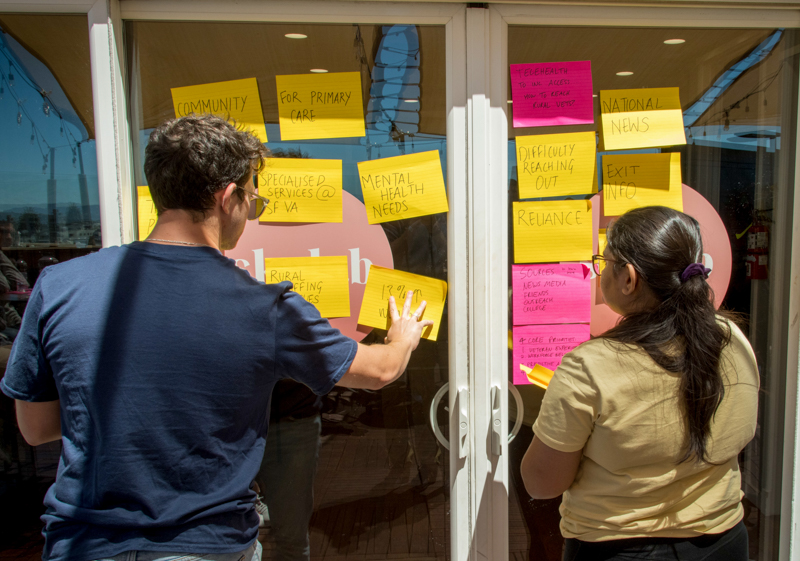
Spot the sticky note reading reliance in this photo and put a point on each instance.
(145, 211)
(555, 165)
(322, 281)
(383, 283)
(554, 293)
(403, 187)
(637, 180)
(552, 231)
(544, 345)
(538, 375)
(643, 118)
(312, 106)
(301, 190)
(552, 93)
(233, 100)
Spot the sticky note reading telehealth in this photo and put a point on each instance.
(383, 283)
(538, 375)
(145, 211)
(553, 293)
(312, 106)
(637, 180)
(555, 165)
(642, 118)
(552, 93)
(236, 100)
(552, 231)
(545, 345)
(322, 281)
(301, 190)
(403, 187)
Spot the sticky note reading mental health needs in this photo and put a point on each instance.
(643, 118)
(637, 180)
(552, 231)
(235, 100)
(301, 190)
(555, 165)
(312, 106)
(383, 283)
(553, 293)
(545, 345)
(403, 187)
(552, 93)
(322, 281)
(145, 211)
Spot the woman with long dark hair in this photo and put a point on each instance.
(640, 429)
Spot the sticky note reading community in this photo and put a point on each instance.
(322, 281)
(552, 293)
(301, 190)
(545, 345)
(552, 231)
(643, 118)
(637, 180)
(555, 165)
(145, 211)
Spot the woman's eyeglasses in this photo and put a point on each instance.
(258, 204)
(599, 263)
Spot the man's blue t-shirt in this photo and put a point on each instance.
(164, 359)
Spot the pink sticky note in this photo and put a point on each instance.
(552, 93)
(544, 345)
(553, 293)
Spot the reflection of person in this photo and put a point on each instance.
(641, 428)
(164, 355)
(8, 233)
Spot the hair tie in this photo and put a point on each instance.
(694, 269)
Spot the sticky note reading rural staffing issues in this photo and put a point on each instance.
(145, 211)
(553, 293)
(383, 283)
(322, 281)
(643, 118)
(403, 187)
(552, 93)
(301, 190)
(552, 231)
(555, 165)
(637, 180)
(234, 100)
(312, 106)
(545, 345)
(538, 375)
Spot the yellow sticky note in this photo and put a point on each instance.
(637, 180)
(602, 241)
(538, 375)
(322, 281)
(552, 231)
(642, 118)
(145, 211)
(312, 106)
(403, 187)
(555, 165)
(301, 190)
(383, 283)
(233, 100)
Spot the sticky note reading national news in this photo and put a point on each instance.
(145, 211)
(383, 283)
(552, 231)
(322, 281)
(554, 165)
(301, 190)
(637, 180)
(545, 345)
(643, 118)
(553, 293)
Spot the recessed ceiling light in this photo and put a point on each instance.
(594, 95)
(510, 101)
(411, 100)
(296, 36)
(624, 73)
(318, 70)
(674, 41)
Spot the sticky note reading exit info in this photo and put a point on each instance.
(637, 180)
(322, 281)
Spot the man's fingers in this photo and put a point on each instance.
(407, 304)
(420, 309)
(393, 309)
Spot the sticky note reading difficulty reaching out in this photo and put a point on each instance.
(642, 118)
(322, 281)
(403, 187)
(552, 93)
(383, 283)
(312, 106)
(552, 231)
(544, 345)
(145, 211)
(301, 190)
(554, 165)
(233, 100)
(553, 293)
(637, 180)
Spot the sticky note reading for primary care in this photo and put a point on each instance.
(383, 283)
(403, 187)
(233, 100)
(552, 93)
(642, 118)
(538, 375)
(544, 345)
(637, 180)
(552, 231)
(146, 211)
(322, 281)
(312, 106)
(554, 165)
(301, 190)
(553, 293)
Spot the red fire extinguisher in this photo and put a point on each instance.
(757, 258)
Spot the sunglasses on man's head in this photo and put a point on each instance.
(258, 204)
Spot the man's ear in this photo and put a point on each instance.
(225, 197)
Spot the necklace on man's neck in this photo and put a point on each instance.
(174, 241)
